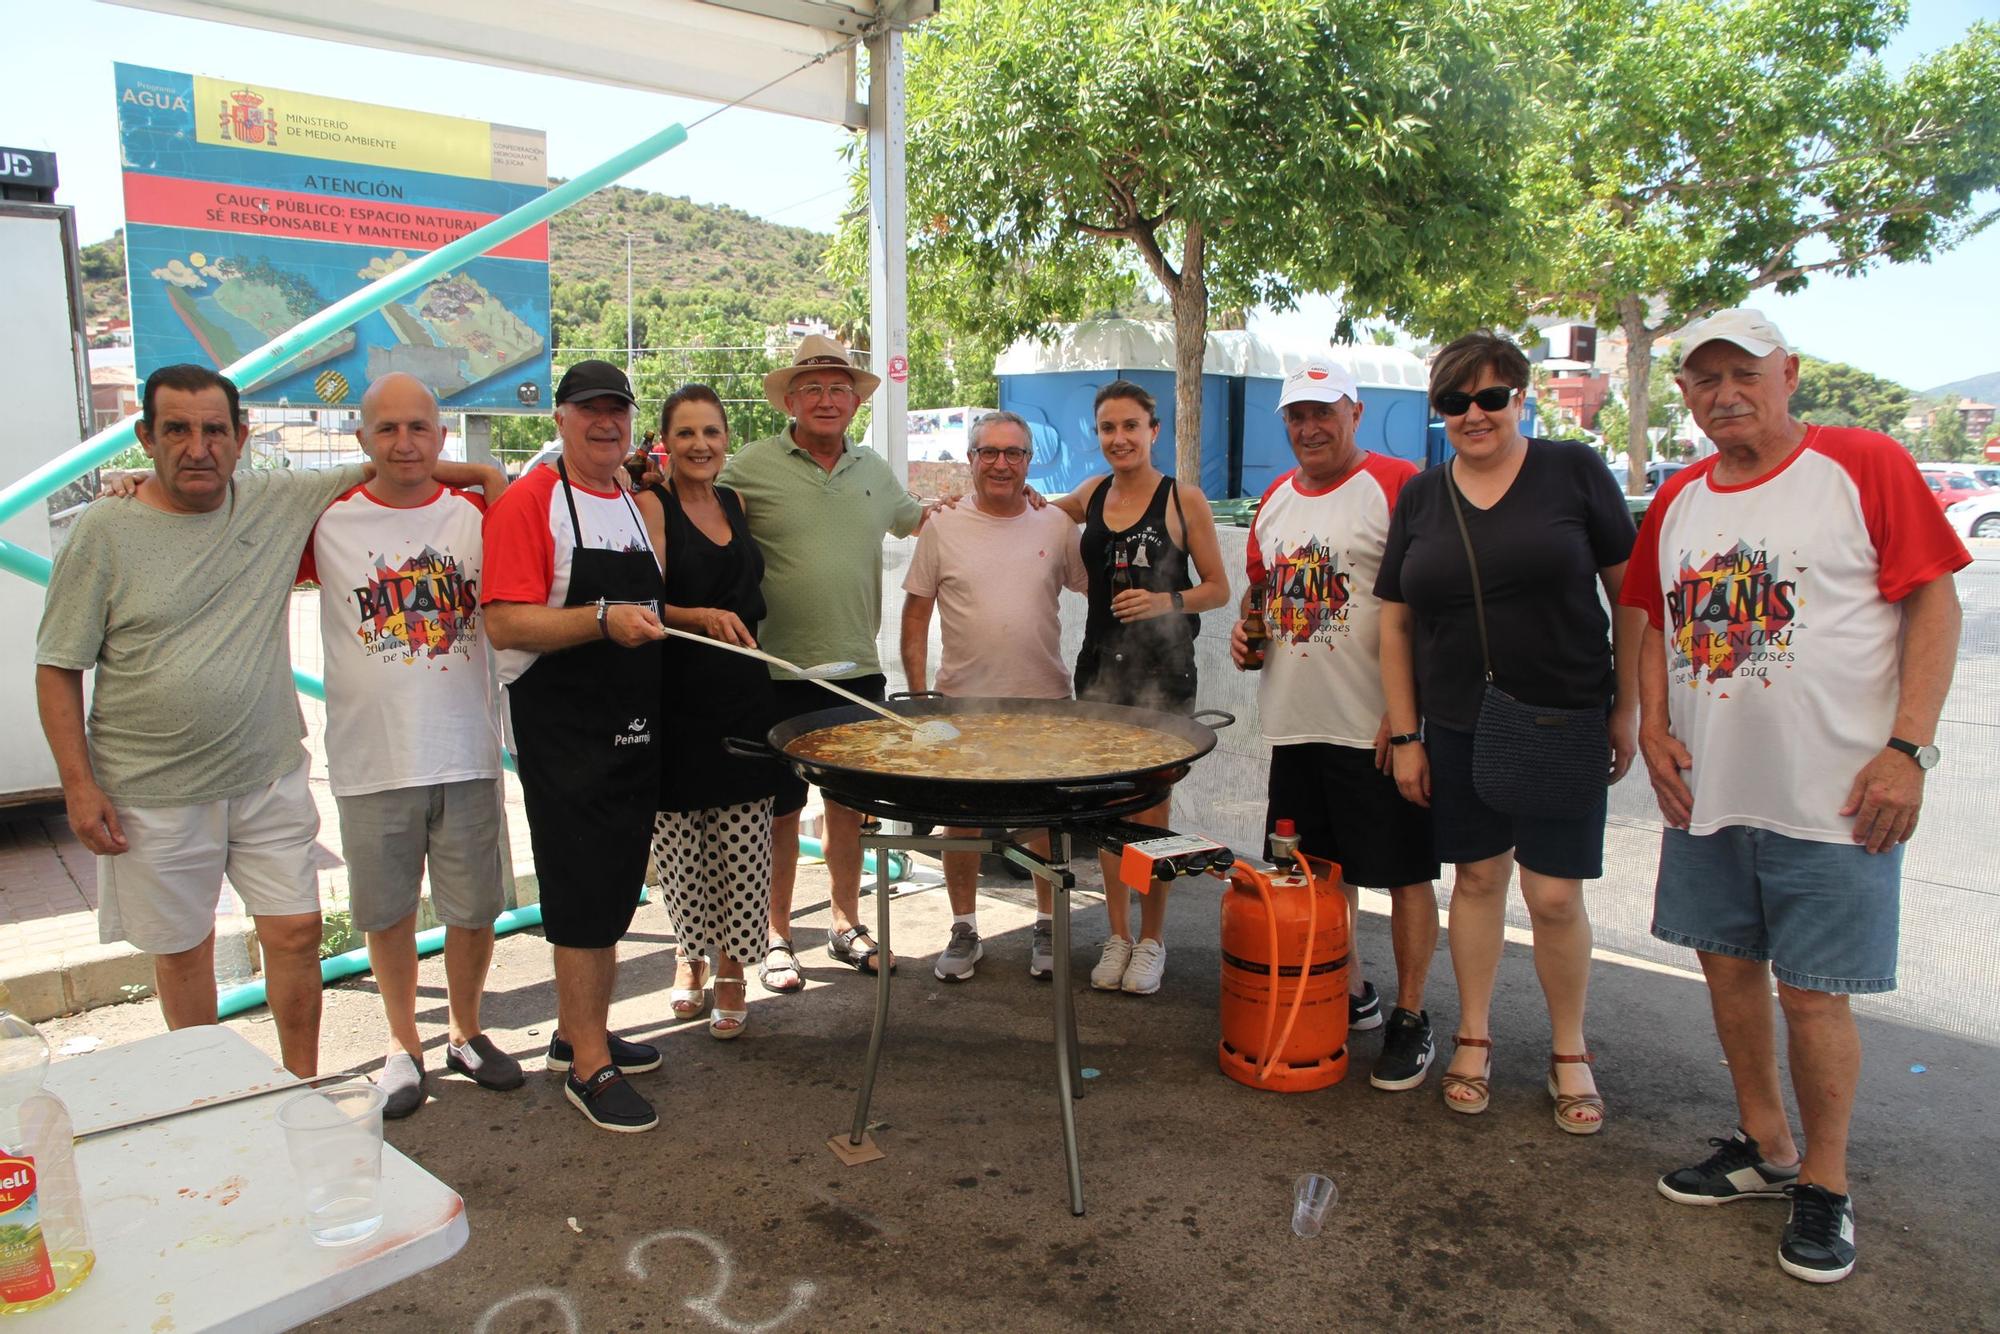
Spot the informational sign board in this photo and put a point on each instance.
(248, 208)
(937, 435)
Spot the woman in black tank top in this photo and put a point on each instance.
(711, 851)
(1143, 533)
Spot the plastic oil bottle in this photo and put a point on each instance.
(44, 1246)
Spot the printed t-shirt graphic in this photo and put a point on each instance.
(1317, 554)
(1777, 600)
(409, 681)
(529, 543)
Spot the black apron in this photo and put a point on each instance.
(586, 722)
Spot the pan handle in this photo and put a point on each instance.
(1203, 716)
(1112, 789)
(744, 749)
(915, 694)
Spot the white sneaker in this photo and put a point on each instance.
(1110, 970)
(1148, 966)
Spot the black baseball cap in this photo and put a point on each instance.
(593, 379)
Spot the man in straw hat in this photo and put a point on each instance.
(819, 509)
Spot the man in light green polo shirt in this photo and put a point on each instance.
(819, 509)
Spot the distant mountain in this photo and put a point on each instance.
(1979, 388)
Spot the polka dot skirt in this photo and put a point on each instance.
(714, 867)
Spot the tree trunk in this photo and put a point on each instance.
(1638, 383)
(1190, 307)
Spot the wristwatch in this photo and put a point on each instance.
(1405, 738)
(1925, 756)
(1179, 604)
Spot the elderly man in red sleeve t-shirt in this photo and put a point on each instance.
(1803, 626)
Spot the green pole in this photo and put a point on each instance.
(247, 370)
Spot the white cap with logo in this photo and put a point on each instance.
(1741, 325)
(1318, 381)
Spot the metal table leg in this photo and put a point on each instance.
(1068, 1061)
(881, 989)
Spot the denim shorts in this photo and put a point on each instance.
(1823, 915)
(1466, 829)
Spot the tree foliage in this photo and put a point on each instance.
(1685, 154)
(1944, 435)
(1833, 393)
(1238, 152)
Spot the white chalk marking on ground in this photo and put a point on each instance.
(709, 1306)
(552, 1296)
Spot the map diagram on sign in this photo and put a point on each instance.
(452, 334)
(233, 306)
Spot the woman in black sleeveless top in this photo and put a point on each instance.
(712, 837)
(1142, 530)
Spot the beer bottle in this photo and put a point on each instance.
(1255, 633)
(1121, 570)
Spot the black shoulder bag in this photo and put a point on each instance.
(1526, 759)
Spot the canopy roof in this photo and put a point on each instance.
(715, 50)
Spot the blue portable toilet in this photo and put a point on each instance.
(1243, 445)
(1053, 386)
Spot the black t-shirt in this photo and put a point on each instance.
(1540, 547)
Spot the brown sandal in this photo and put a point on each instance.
(1480, 1086)
(1568, 1105)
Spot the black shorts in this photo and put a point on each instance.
(1468, 830)
(590, 864)
(1348, 811)
(793, 698)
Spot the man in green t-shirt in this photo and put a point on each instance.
(819, 509)
(192, 766)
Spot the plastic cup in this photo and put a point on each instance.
(334, 1137)
(1312, 1196)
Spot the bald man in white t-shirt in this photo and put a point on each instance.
(995, 570)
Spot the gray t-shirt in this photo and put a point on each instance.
(184, 618)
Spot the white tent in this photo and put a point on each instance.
(1149, 345)
(715, 50)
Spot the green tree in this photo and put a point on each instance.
(1238, 152)
(1944, 436)
(1833, 393)
(1685, 154)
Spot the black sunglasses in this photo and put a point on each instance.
(1456, 402)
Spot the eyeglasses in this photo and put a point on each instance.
(991, 454)
(1456, 403)
(817, 390)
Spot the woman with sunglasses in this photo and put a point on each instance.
(1143, 532)
(1547, 528)
(712, 838)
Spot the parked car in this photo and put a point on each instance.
(1657, 472)
(1977, 517)
(1952, 487)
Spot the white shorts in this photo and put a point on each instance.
(161, 892)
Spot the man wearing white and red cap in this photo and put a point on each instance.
(1314, 552)
(819, 509)
(1802, 626)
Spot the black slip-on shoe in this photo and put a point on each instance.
(634, 1058)
(611, 1102)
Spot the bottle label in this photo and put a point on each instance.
(25, 1275)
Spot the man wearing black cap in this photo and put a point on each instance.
(572, 598)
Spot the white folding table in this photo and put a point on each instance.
(199, 1222)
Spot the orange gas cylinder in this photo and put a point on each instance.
(1306, 1030)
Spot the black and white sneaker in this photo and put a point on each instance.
(1364, 1011)
(633, 1058)
(1735, 1171)
(1407, 1051)
(610, 1102)
(1817, 1244)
